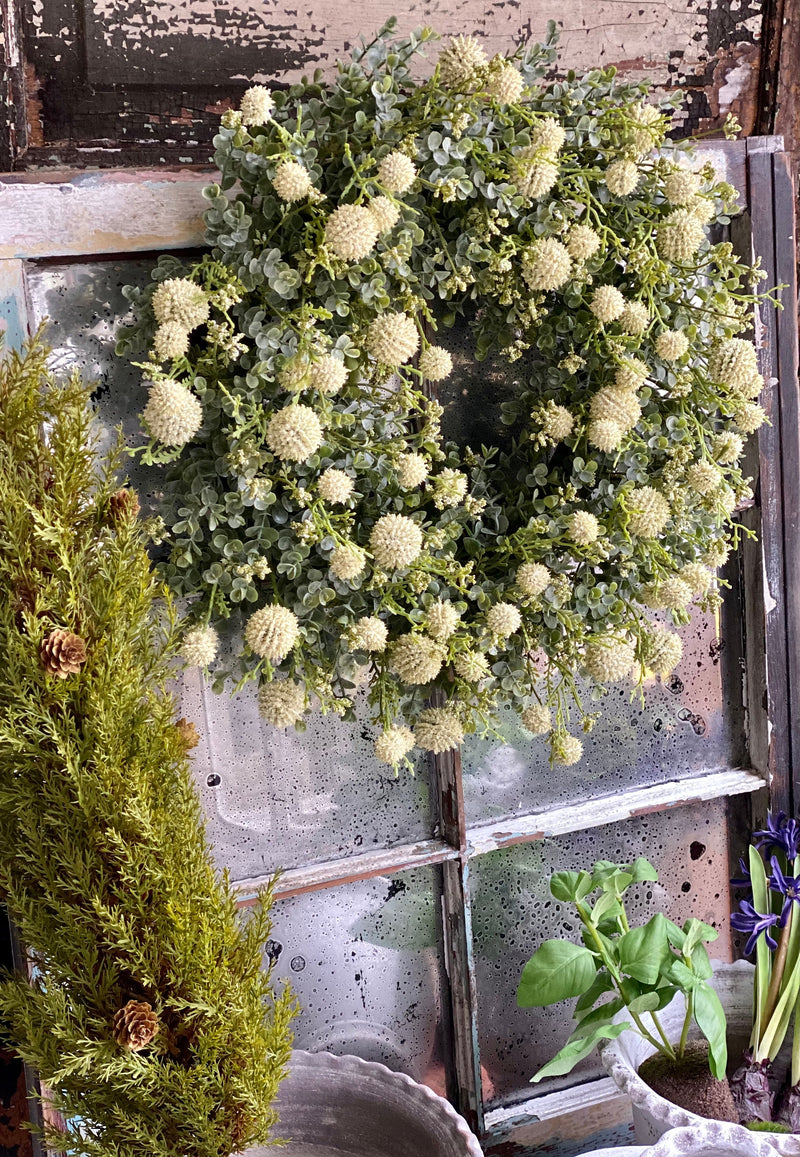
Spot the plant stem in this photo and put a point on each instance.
(686, 1024)
(778, 966)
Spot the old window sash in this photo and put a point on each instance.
(127, 212)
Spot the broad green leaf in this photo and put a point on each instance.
(682, 975)
(570, 886)
(675, 935)
(710, 1017)
(642, 870)
(600, 1015)
(604, 870)
(644, 951)
(696, 931)
(701, 965)
(575, 1050)
(607, 907)
(654, 1000)
(602, 983)
(556, 971)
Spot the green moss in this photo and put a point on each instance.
(767, 1127)
(104, 865)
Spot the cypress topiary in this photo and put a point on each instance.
(148, 1014)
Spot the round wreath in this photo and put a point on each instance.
(310, 485)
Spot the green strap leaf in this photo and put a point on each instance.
(556, 971)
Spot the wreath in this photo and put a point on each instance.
(293, 372)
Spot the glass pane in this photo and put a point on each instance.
(513, 912)
(273, 799)
(689, 723)
(365, 964)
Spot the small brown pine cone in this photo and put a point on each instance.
(135, 1025)
(187, 733)
(62, 653)
(122, 505)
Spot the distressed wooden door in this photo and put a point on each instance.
(407, 906)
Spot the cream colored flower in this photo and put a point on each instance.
(649, 512)
(650, 130)
(385, 212)
(661, 650)
(608, 659)
(749, 417)
(634, 318)
(328, 374)
(565, 749)
(671, 594)
(272, 632)
(681, 186)
(351, 232)
(727, 447)
(533, 578)
(671, 344)
(460, 62)
(368, 634)
(416, 658)
(622, 177)
(716, 556)
(292, 181)
(612, 404)
(583, 528)
(703, 477)
(294, 433)
(696, 576)
(556, 422)
(282, 703)
(534, 172)
(631, 374)
(199, 646)
(412, 470)
(605, 435)
(547, 133)
(396, 541)
(607, 304)
(504, 82)
(171, 341)
(256, 105)
(173, 415)
(503, 619)
(679, 236)
(295, 374)
(435, 363)
(472, 666)
(449, 488)
(393, 339)
(394, 744)
(335, 486)
(442, 620)
(582, 242)
(181, 301)
(347, 562)
(546, 264)
(703, 209)
(439, 729)
(537, 719)
(397, 173)
(733, 363)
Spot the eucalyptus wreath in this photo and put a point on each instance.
(293, 370)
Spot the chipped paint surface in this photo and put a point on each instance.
(189, 59)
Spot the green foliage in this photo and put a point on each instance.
(618, 967)
(248, 528)
(104, 866)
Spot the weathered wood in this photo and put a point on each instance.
(574, 1113)
(13, 125)
(111, 212)
(298, 881)
(623, 805)
(460, 965)
(13, 303)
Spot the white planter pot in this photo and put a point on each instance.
(653, 1116)
(344, 1107)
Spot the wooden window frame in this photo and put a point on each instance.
(124, 212)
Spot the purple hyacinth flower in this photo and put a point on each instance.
(786, 886)
(780, 835)
(745, 880)
(754, 923)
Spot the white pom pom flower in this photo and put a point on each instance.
(503, 619)
(412, 470)
(393, 339)
(181, 301)
(347, 562)
(294, 433)
(173, 415)
(622, 177)
(385, 212)
(199, 646)
(546, 264)
(537, 719)
(460, 62)
(442, 620)
(395, 541)
(416, 659)
(351, 232)
(328, 374)
(292, 181)
(282, 702)
(394, 744)
(583, 528)
(607, 304)
(272, 632)
(256, 105)
(671, 344)
(171, 341)
(435, 363)
(368, 633)
(533, 578)
(397, 173)
(335, 486)
(649, 512)
(439, 729)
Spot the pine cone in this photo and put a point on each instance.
(122, 505)
(187, 733)
(135, 1025)
(62, 653)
